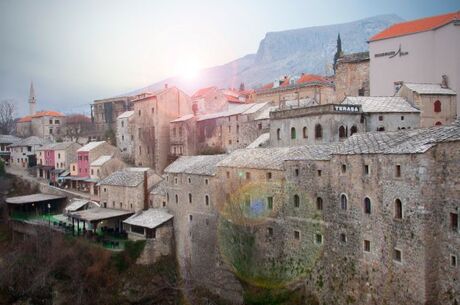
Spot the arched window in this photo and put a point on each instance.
(437, 106)
(177, 199)
(293, 133)
(353, 130)
(398, 209)
(318, 131)
(438, 123)
(296, 200)
(319, 203)
(367, 205)
(342, 132)
(343, 202)
(189, 198)
(206, 199)
(278, 134)
(305, 132)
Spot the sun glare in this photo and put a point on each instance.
(188, 69)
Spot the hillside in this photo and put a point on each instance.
(295, 51)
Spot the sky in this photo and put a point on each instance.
(79, 51)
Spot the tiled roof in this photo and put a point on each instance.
(90, 146)
(77, 204)
(409, 141)
(237, 109)
(380, 104)
(124, 177)
(195, 165)
(261, 141)
(125, 114)
(25, 119)
(429, 89)
(33, 140)
(8, 139)
(101, 160)
(183, 118)
(265, 114)
(311, 78)
(150, 218)
(354, 57)
(64, 145)
(203, 91)
(159, 188)
(416, 26)
(47, 113)
(232, 99)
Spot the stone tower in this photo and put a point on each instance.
(32, 101)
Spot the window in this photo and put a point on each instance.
(318, 131)
(319, 203)
(206, 181)
(270, 231)
(122, 137)
(237, 129)
(437, 106)
(397, 255)
(367, 246)
(121, 205)
(92, 171)
(190, 218)
(366, 169)
(259, 126)
(353, 130)
(167, 197)
(453, 261)
(164, 203)
(343, 202)
(139, 113)
(278, 134)
(343, 237)
(175, 180)
(293, 133)
(305, 133)
(189, 198)
(342, 132)
(140, 150)
(296, 201)
(180, 131)
(206, 221)
(51, 122)
(318, 239)
(398, 170)
(380, 117)
(344, 168)
(189, 180)
(438, 123)
(270, 203)
(319, 172)
(367, 205)
(105, 190)
(228, 175)
(269, 175)
(296, 172)
(177, 198)
(153, 110)
(402, 118)
(454, 221)
(297, 235)
(137, 229)
(248, 175)
(398, 209)
(206, 200)
(381, 128)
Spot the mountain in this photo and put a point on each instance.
(291, 52)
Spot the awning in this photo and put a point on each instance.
(64, 173)
(72, 178)
(34, 198)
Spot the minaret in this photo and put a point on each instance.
(32, 101)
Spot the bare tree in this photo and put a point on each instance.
(77, 126)
(7, 111)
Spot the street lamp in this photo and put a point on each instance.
(49, 215)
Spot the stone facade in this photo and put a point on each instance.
(104, 113)
(125, 134)
(152, 114)
(23, 152)
(352, 76)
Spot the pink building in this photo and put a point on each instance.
(89, 153)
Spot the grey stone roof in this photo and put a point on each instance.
(183, 118)
(34, 198)
(8, 139)
(409, 141)
(159, 188)
(196, 165)
(261, 141)
(318, 152)
(429, 89)
(76, 204)
(33, 140)
(265, 114)
(99, 213)
(101, 160)
(354, 57)
(125, 114)
(124, 177)
(381, 104)
(56, 146)
(90, 146)
(150, 218)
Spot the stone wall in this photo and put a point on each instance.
(351, 79)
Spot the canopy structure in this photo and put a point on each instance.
(34, 198)
(99, 214)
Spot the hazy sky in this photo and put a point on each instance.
(78, 51)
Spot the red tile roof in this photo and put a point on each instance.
(232, 99)
(310, 78)
(267, 86)
(416, 26)
(47, 113)
(25, 119)
(203, 91)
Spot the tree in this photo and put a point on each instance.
(242, 87)
(77, 126)
(7, 110)
(338, 53)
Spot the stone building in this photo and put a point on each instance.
(53, 159)
(352, 76)
(416, 51)
(290, 88)
(125, 134)
(5, 142)
(23, 151)
(104, 113)
(104, 166)
(152, 114)
(388, 113)
(209, 100)
(90, 153)
(314, 124)
(65, 154)
(437, 103)
(43, 124)
(127, 189)
(194, 196)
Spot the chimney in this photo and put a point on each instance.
(166, 86)
(146, 191)
(444, 82)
